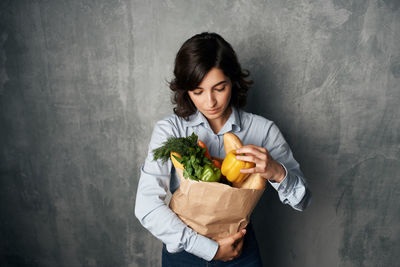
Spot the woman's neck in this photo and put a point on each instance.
(217, 124)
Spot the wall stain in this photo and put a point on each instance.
(368, 204)
(395, 66)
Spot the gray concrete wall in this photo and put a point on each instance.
(83, 82)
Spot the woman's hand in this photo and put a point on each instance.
(265, 164)
(230, 247)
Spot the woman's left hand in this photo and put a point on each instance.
(265, 164)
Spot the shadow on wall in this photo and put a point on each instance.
(273, 220)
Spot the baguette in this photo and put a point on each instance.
(254, 181)
(231, 142)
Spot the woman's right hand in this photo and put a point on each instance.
(230, 247)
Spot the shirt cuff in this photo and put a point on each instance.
(204, 247)
(282, 185)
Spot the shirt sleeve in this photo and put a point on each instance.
(152, 211)
(293, 189)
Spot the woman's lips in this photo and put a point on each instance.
(212, 111)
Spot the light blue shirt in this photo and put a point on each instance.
(157, 178)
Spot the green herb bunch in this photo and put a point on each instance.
(193, 158)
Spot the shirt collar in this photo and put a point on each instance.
(232, 124)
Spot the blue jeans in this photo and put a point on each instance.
(250, 256)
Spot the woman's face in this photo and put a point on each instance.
(213, 94)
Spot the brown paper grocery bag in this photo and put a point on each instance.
(212, 209)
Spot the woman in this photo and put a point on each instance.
(210, 89)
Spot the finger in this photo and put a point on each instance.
(239, 249)
(238, 242)
(235, 254)
(238, 254)
(250, 158)
(239, 245)
(251, 149)
(239, 235)
(255, 154)
(250, 170)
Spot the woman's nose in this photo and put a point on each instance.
(211, 100)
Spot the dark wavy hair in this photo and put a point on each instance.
(197, 56)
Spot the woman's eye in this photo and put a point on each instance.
(197, 93)
(220, 89)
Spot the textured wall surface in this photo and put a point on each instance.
(82, 84)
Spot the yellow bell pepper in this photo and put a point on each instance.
(231, 168)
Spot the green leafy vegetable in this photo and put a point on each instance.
(193, 158)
